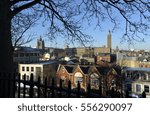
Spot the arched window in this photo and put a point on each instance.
(78, 77)
(63, 78)
(94, 79)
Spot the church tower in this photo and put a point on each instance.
(40, 44)
(109, 40)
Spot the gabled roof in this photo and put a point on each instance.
(103, 70)
(70, 69)
(85, 69)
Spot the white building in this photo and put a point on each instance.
(42, 70)
(137, 80)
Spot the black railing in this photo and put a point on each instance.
(13, 86)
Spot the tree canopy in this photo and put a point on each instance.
(65, 17)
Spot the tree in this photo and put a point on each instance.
(65, 17)
(62, 19)
(22, 24)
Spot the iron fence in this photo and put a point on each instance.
(12, 86)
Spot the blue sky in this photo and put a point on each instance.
(99, 36)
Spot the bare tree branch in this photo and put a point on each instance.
(23, 7)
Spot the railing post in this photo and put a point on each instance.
(9, 85)
(78, 90)
(89, 90)
(69, 88)
(31, 86)
(45, 88)
(38, 85)
(14, 81)
(19, 86)
(1, 84)
(127, 94)
(112, 92)
(24, 86)
(100, 90)
(143, 94)
(53, 94)
(60, 88)
(4, 84)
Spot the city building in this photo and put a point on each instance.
(137, 80)
(26, 55)
(43, 70)
(95, 75)
(90, 51)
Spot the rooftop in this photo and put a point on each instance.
(137, 69)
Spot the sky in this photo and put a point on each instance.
(99, 36)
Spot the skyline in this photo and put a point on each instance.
(100, 39)
(99, 34)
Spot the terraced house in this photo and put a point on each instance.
(105, 78)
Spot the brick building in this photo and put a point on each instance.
(97, 76)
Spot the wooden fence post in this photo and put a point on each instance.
(31, 91)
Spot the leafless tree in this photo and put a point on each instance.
(21, 24)
(66, 17)
(134, 14)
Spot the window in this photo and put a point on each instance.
(21, 54)
(27, 54)
(129, 87)
(63, 78)
(149, 77)
(146, 88)
(27, 77)
(32, 68)
(80, 79)
(138, 88)
(23, 69)
(94, 82)
(129, 75)
(27, 68)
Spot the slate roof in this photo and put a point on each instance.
(85, 69)
(103, 70)
(69, 69)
